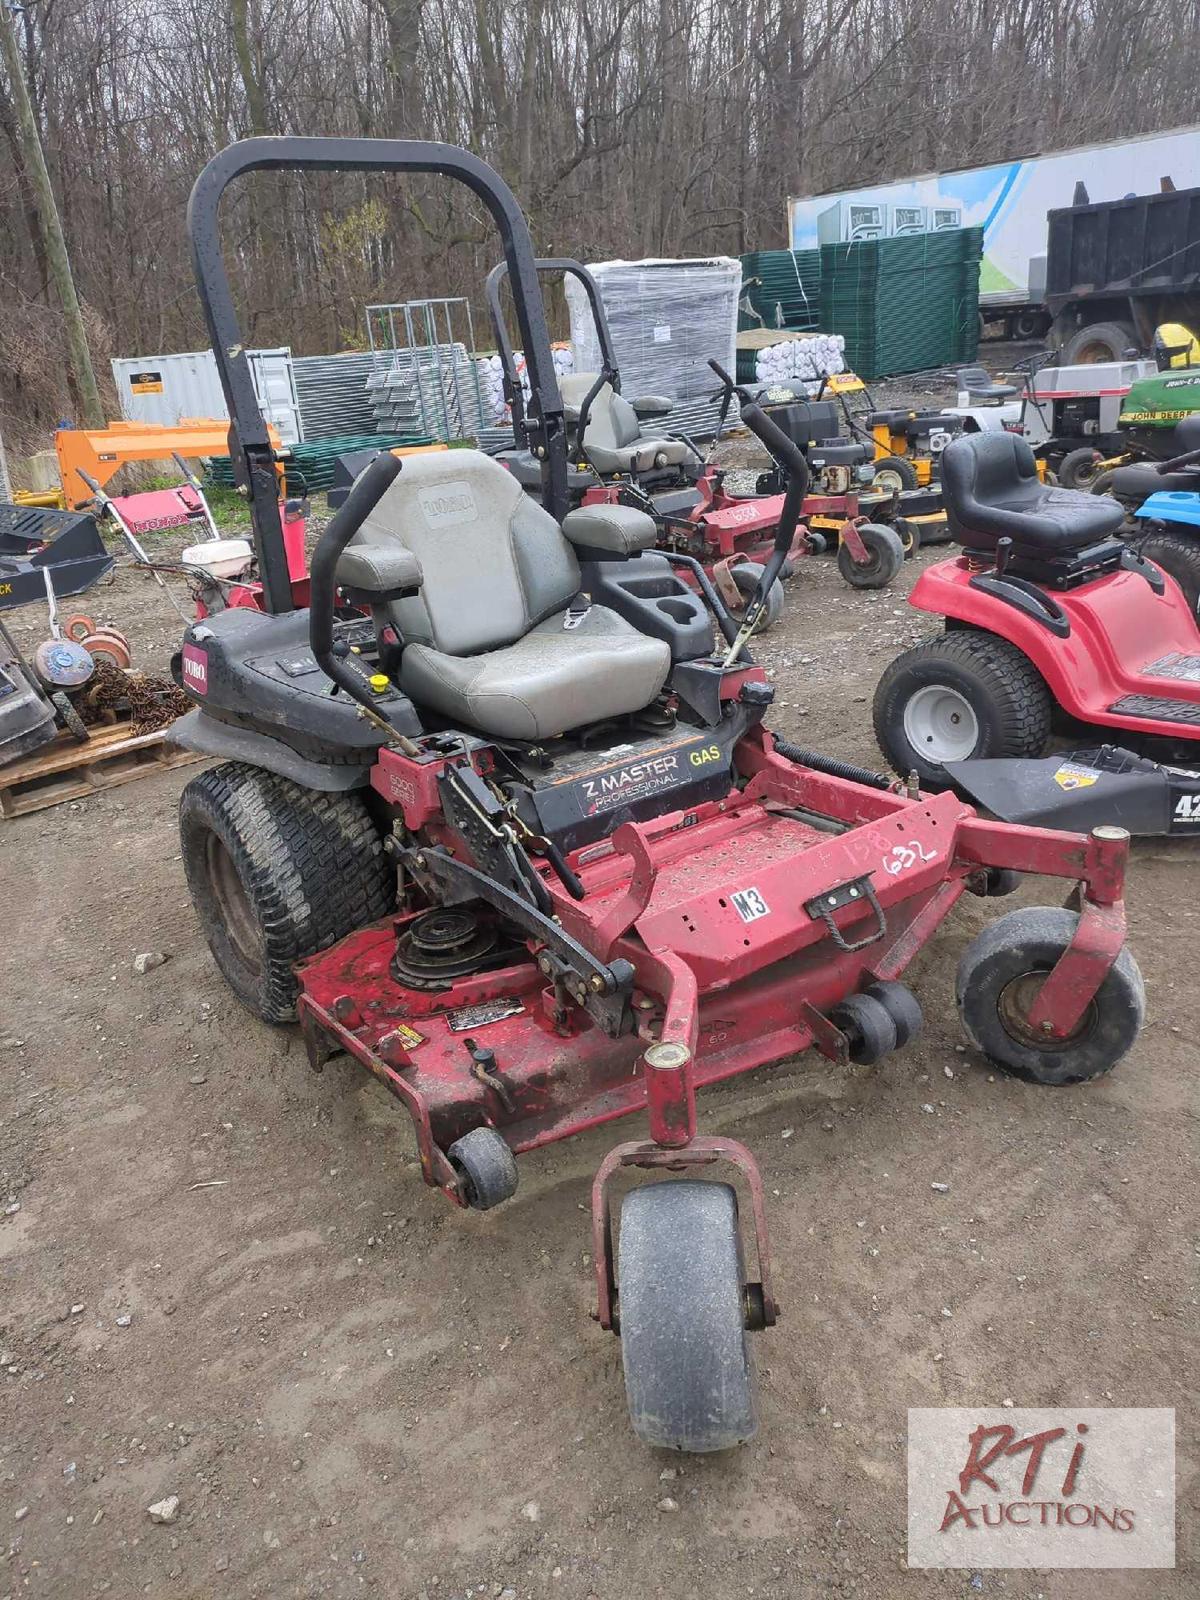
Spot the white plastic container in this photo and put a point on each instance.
(220, 558)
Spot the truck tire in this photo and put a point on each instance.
(276, 873)
(1101, 341)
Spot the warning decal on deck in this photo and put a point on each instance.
(1070, 776)
(479, 1016)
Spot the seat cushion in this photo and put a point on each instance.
(992, 491)
(552, 680)
(493, 562)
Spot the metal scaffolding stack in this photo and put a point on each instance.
(424, 379)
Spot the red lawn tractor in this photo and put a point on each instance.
(533, 859)
(1051, 623)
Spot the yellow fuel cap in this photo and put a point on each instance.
(380, 684)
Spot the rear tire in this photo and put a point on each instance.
(998, 979)
(276, 873)
(689, 1376)
(895, 472)
(885, 557)
(1179, 557)
(958, 696)
(1079, 469)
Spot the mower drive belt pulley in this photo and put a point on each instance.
(603, 990)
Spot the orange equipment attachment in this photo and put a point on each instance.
(101, 452)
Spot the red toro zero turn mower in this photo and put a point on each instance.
(1051, 619)
(535, 862)
(612, 462)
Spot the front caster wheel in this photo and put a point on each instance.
(885, 557)
(689, 1377)
(902, 1005)
(870, 1028)
(999, 978)
(486, 1167)
(746, 576)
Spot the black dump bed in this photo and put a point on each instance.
(1146, 245)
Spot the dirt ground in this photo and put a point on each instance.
(226, 1281)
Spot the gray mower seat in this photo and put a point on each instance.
(484, 638)
(992, 491)
(613, 440)
(980, 385)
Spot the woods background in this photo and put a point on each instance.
(626, 128)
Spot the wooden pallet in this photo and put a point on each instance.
(68, 770)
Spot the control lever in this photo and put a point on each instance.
(791, 458)
(341, 528)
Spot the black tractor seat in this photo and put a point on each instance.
(992, 492)
(1142, 479)
(838, 453)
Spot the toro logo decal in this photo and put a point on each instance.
(195, 669)
(448, 505)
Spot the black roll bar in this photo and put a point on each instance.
(249, 444)
(514, 394)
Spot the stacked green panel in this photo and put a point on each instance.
(904, 305)
(310, 465)
(783, 288)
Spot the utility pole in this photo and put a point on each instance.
(49, 222)
(5, 483)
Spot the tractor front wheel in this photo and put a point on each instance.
(958, 696)
(1000, 977)
(276, 873)
(689, 1376)
(1079, 469)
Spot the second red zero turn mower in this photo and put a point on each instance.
(1050, 620)
(534, 861)
(612, 462)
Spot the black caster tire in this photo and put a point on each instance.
(817, 542)
(277, 872)
(885, 557)
(902, 1005)
(689, 1374)
(957, 696)
(894, 473)
(1079, 469)
(999, 881)
(869, 1028)
(998, 978)
(746, 575)
(486, 1167)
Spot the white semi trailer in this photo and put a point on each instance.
(1010, 201)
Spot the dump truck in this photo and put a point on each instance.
(1063, 257)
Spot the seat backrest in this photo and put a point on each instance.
(980, 469)
(612, 423)
(974, 378)
(493, 562)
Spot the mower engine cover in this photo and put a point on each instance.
(1082, 789)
